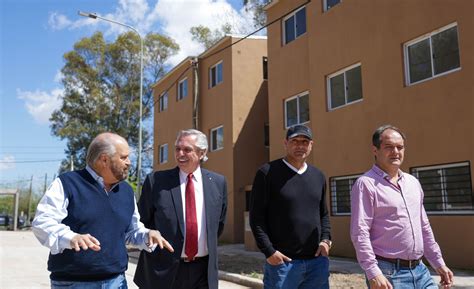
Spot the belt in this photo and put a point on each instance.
(195, 259)
(400, 262)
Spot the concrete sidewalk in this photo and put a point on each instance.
(463, 279)
(23, 263)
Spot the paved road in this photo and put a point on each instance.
(23, 263)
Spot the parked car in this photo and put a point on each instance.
(7, 221)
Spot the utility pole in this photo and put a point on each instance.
(45, 182)
(29, 201)
(72, 163)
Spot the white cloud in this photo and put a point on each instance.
(58, 21)
(58, 77)
(173, 18)
(41, 104)
(7, 162)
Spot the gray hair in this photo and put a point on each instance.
(377, 136)
(103, 143)
(201, 140)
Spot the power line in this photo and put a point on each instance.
(228, 46)
(29, 161)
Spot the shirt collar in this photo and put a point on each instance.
(98, 178)
(197, 175)
(383, 174)
(298, 171)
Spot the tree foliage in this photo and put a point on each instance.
(258, 14)
(101, 90)
(206, 37)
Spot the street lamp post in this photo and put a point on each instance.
(139, 164)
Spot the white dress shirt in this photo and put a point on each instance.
(298, 171)
(52, 209)
(200, 210)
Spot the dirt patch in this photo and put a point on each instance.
(253, 267)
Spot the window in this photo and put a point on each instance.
(163, 101)
(432, 55)
(344, 86)
(341, 194)
(163, 153)
(446, 187)
(182, 89)
(297, 110)
(265, 67)
(215, 75)
(328, 4)
(266, 134)
(217, 138)
(294, 25)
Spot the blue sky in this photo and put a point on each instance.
(35, 34)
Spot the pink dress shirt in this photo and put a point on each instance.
(390, 221)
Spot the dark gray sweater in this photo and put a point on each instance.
(288, 211)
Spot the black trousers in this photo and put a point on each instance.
(192, 275)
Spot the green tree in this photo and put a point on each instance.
(206, 37)
(101, 90)
(258, 14)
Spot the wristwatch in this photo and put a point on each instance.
(328, 242)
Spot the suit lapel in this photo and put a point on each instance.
(177, 200)
(208, 194)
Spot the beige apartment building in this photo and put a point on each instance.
(223, 93)
(345, 67)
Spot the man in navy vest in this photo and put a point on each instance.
(86, 218)
(187, 205)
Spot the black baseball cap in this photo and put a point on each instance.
(299, 130)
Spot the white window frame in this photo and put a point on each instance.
(419, 39)
(163, 158)
(216, 74)
(181, 84)
(333, 201)
(325, 5)
(294, 28)
(444, 195)
(216, 129)
(297, 108)
(337, 73)
(162, 104)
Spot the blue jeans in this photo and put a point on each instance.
(405, 278)
(118, 282)
(298, 274)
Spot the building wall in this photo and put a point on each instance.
(178, 115)
(436, 115)
(238, 103)
(216, 110)
(250, 113)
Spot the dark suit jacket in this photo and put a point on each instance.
(161, 208)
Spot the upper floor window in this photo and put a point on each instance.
(163, 101)
(294, 25)
(328, 4)
(344, 86)
(215, 74)
(163, 157)
(341, 194)
(432, 55)
(297, 110)
(446, 187)
(217, 138)
(182, 89)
